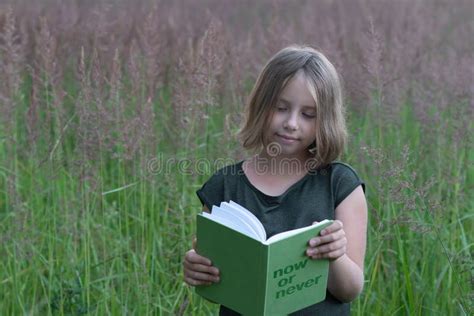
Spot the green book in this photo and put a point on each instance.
(259, 276)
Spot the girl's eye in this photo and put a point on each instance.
(309, 115)
(281, 108)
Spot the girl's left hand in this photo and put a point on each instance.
(331, 242)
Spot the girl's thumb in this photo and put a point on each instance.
(194, 243)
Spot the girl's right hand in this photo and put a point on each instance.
(198, 270)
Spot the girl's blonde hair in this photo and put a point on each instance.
(323, 84)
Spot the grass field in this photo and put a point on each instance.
(112, 116)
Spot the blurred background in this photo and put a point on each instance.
(113, 113)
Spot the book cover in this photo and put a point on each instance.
(258, 278)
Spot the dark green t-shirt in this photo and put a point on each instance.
(312, 198)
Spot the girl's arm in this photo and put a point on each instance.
(344, 243)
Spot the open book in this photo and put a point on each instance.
(259, 276)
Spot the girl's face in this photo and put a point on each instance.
(293, 124)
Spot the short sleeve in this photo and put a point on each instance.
(344, 180)
(212, 191)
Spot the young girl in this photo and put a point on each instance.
(294, 123)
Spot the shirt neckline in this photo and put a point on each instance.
(273, 199)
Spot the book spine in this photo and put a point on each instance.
(266, 279)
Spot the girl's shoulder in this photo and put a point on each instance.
(344, 179)
(339, 167)
(216, 187)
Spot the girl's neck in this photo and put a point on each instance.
(281, 165)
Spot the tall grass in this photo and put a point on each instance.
(112, 116)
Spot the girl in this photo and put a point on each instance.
(294, 123)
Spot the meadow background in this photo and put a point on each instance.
(113, 113)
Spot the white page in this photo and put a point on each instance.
(255, 221)
(235, 215)
(288, 233)
(247, 216)
(231, 221)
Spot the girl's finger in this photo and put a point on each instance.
(327, 248)
(194, 242)
(331, 236)
(193, 257)
(329, 255)
(201, 268)
(194, 282)
(335, 226)
(316, 241)
(202, 277)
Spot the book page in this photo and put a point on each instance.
(234, 216)
(248, 216)
(292, 232)
(232, 221)
(234, 212)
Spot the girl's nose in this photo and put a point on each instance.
(291, 122)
